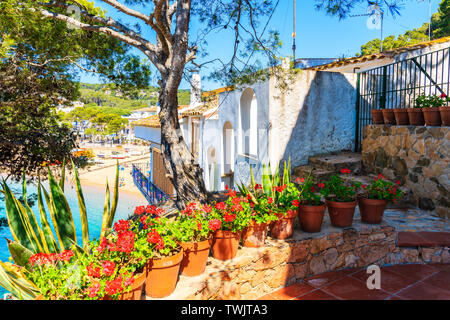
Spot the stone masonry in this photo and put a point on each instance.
(417, 156)
(255, 272)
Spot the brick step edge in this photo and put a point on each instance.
(423, 239)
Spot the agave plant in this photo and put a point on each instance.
(31, 238)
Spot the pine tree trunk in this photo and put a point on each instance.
(185, 174)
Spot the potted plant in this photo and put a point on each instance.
(388, 116)
(340, 198)
(120, 247)
(377, 116)
(312, 208)
(401, 116)
(287, 201)
(227, 220)
(430, 107)
(194, 235)
(415, 116)
(155, 239)
(375, 197)
(262, 215)
(444, 110)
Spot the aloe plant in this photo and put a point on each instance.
(31, 238)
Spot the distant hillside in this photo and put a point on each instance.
(107, 96)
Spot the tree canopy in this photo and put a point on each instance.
(440, 27)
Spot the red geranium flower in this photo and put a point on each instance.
(269, 200)
(295, 203)
(93, 290)
(321, 185)
(345, 171)
(215, 224)
(108, 267)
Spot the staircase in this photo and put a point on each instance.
(325, 166)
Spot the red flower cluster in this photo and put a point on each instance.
(108, 268)
(321, 185)
(43, 258)
(125, 242)
(151, 210)
(345, 171)
(215, 224)
(300, 180)
(229, 217)
(221, 206)
(155, 238)
(93, 290)
(280, 189)
(114, 286)
(296, 203)
(269, 200)
(121, 226)
(94, 271)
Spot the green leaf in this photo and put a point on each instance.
(19, 253)
(106, 212)
(82, 205)
(62, 216)
(63, 175)
(16, 221)
(15, 282)
(47, 231)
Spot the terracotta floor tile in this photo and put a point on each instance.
(267, 297)
(413, 239)
(414, 272)
(394, 297)
(440, 280)
(351, 289)
(350, 270)
(390, 281)
(440, 238)
(323, 279)
(424, 291)
(316, 295)
(292, 291)
(441, 266)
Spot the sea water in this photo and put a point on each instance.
(94, 198)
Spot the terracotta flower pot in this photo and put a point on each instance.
(136, 288)
(254, 236)
(162, 275)
(432, 116)
(195, 255)
(377, 116)
(284, 227)
(415, 116)
(388, 116)
(445, 115)
(225, 244)
(311, 217)
(401, 116)
(341, 213)
(371, 210)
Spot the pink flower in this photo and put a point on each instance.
(108, 267)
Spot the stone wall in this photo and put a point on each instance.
(255, 272)
(417, 156)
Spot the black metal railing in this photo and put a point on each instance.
(151, 192)
(397, 85)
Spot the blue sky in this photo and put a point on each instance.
(318, 35)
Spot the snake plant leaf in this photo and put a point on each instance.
(266, 181)
(252, 179)
(82, 206)
(47, 231)
(63, 175)
(19, 254)
(106, 212)
(61, 216)
(52, 210)
(36, 231)
(16, 220)
(16, 283)
(112, 212)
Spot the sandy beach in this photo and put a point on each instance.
(98, 174)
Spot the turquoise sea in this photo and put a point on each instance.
(94, 197)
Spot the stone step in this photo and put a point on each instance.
(318, 174)
(337, 162)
